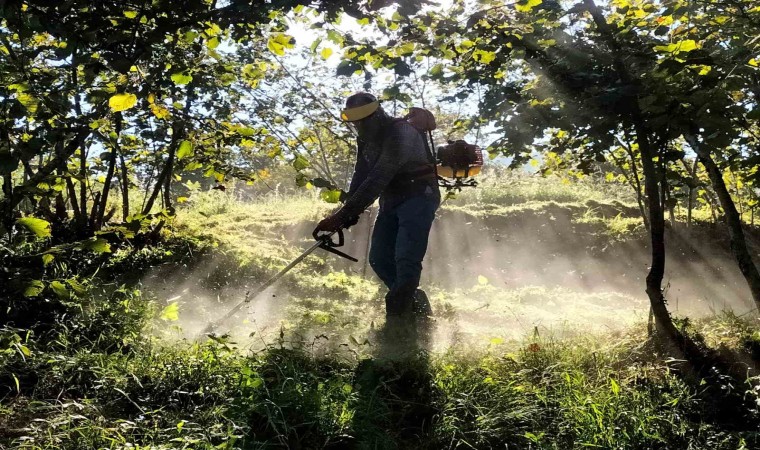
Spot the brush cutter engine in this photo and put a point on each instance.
(458, 162)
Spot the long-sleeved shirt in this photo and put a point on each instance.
(399, 148)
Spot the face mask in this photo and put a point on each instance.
(368, 128)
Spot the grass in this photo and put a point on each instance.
(543, 393)
(500, 366)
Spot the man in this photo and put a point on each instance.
(392, 163)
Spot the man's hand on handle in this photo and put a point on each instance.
(334, 222)
(330, 223)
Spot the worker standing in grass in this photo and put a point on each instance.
(394, 164)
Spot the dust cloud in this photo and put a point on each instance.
(491, 280)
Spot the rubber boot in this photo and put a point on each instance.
(399, 304)
(422, 308)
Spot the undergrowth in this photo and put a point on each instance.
(72, 390)
(101, 367)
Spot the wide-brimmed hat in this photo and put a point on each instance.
(359, 106)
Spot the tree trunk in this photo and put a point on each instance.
(168, 180)
(124, 187)
(165, 172)
(101, 206)
(662, 317)
(637, 180)
(7, 194)
(9, 203)
(94, 211)
(178, 134)
(633, 181)
(83, 181)
(693, 185)
(71, 190)
(733, 219)
(657, 235)
(689, 207)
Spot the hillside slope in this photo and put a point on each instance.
(537, 342)
(515, 257)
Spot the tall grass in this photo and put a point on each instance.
(104, 369)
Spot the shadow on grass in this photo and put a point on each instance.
(394, 403)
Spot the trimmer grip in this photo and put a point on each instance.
(326, 237)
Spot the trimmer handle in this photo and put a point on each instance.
(326, 242)
(326, 237)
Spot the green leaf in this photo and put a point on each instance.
(686, 45)
(122, 102)
(130, 14)
(323, 183)
(47, 259)
(98, 245)
(185, 150)
(34, 288)
(483, 56)
(406, 48)
(614, 386)
(171, 312)
(346, 68)
(40, 228)
(330, 195)
(279, 42)
(527, 5)
(315, 44)
(30, 103)
(60, 290)
(300, 163)
(213, 43)
(181, 78)
(18, 87)
(78, 287)
(326, 52)
(190, 36)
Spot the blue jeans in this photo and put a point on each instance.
(399, 243)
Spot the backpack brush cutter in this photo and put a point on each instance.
(457, 163)
(323, 241)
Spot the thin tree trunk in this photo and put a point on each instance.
(159, 183)
(101, 206)
(83, 181)
(94, 211)
(168, 180)
(692, 171)
(80, 214)
(178, 134)
(124, 186)
(656, 217)
(9, 203)
(733, 219)
(689, 206)
(7, 216)
(7, 194)
(635, 185)
(637, 180)
(165, 172)
(73, 199)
